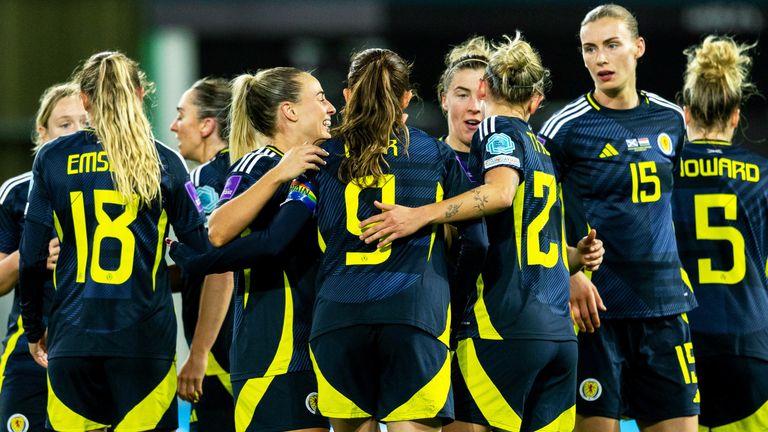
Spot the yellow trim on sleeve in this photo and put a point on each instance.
(438, 197)
(159, 255)
(485, 327)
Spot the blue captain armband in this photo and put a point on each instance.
(302, 189)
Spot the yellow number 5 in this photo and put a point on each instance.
(705, 231)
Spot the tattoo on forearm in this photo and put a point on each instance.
(480, 201)
(452, 210)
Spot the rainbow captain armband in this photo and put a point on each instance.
(302, 189)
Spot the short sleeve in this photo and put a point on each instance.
(499, 149)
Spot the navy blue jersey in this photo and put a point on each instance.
(209, 179)
(274, 297)
(720, 208)
(525, 279)
(616, 168)
(112, 291)
(13, 199)
(405, 282)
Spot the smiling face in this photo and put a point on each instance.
(461, 102)
(187, 127)
(66, 117)
(610, 53)
(313, 110)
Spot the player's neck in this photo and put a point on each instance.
(500, 109)
(212, 148)
(701, 134)
(621, 99)
(456, 144)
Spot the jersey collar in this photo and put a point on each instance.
(592, 102)
(711, 142)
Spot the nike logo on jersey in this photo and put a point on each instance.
(608, 151)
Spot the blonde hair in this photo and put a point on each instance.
(255, 100)
(377, 80)
(611, 10)
(114, 85)
(717, 80)
(515, 72)
(51, 96)
(471, 54)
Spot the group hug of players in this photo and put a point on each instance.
(370, 273)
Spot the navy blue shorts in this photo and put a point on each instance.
(734, 393)
(216, 409)
(23, 401)
(390, 372)
(516, 385)
(277, 403)
(638, 368)
(129, 394)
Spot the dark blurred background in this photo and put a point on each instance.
(42, 41)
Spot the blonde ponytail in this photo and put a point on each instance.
(115, 86)
(255, 100)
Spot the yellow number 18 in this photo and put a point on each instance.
(106, 228)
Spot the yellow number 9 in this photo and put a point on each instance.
(352, 201)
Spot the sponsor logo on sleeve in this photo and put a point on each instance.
(192, 192)
(500, 143)
(208, 197)
(230, 187)
(502, 160)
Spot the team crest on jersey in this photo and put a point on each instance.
(18, 423)
(590, 389)
(500, 143)
(208, 197)
(638, 144)
(311, 402)
(665, 144)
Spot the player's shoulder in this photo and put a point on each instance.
(169, 158)
(660, 104)
(257, 161)
(567, 116)
(66, 142)
(15, 185)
